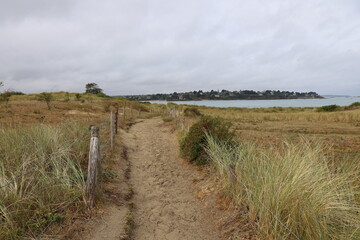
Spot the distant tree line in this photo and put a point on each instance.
(225, 95)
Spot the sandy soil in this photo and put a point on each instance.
(166, 207)
(171, 199)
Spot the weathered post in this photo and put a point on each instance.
(124, 111)
(171, 112)
(94, 167)
(131, 111)
(116, 118)
(112, 129)
(139, 115)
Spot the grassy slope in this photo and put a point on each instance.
(43, 157)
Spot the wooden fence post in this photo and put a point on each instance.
(131, 111)
(124, 111)
(116, 119)
(139, 112)
(94, 167)
(112, 129)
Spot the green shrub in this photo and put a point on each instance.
(192, 111)
(355, 104)
(192, 145)
(328, 108)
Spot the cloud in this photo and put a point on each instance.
(143, 46)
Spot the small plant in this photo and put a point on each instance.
(46, 97)
(192, 145)
(328, 108)
(109, 175)
(78, 96)
(167, 119)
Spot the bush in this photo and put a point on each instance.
(46, 97)
(328, 108)
(78, 96)
(5, 97)
(355, 104)
(192, 146)
(191, 112)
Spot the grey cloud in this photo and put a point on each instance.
(143, 46)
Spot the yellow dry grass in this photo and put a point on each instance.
(340, 129)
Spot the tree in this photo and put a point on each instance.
(46, 97)
(1, 84)
(93, 88)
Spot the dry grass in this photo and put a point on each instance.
(265, 127)
(294, 193)
(307, 188)
(43, 157)
(40, 172)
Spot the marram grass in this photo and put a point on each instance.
(40, 173)
(292, 194)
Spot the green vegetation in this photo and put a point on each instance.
(328, 108)
(355, 104)
(93, 88)
(167, 119)
(225, 95)
(192, 145)
(5, 96)
(291, 194)
(40, 175)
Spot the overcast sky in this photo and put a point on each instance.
(150, 46)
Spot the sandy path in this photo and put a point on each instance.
(165, 204)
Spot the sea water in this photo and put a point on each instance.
(341, 101)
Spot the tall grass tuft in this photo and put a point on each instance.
(292, 194)
(40, 173)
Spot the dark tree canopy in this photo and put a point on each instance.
(93, 88)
